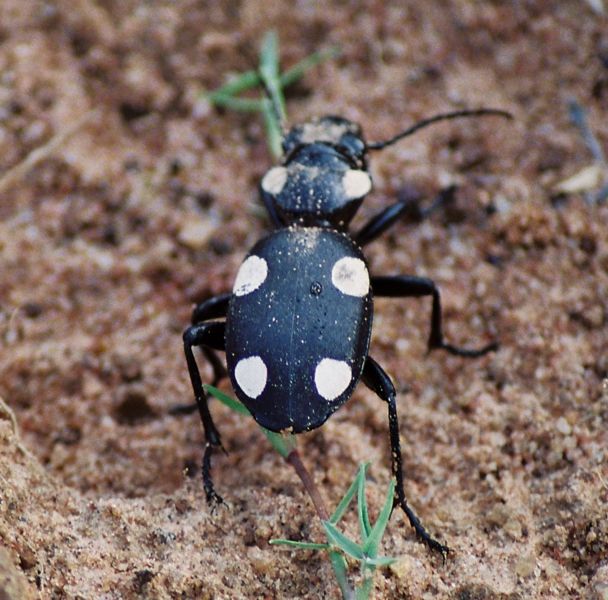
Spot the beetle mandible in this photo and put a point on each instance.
(296, 327)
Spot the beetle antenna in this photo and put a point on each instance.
(441, 117)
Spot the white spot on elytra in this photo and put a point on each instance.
(251, 375)
(356, 183)
(251, 275)
(332, 377)
(350, 276)
(274, 180)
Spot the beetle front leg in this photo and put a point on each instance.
(376, 379)
(406, 206)
(400, 286)
(210, 335)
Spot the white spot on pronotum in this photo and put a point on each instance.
(356, 183)
(274, 180)
(350, 276)
(251, 275)
(332, 377)
(251, 375)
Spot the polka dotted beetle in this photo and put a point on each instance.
(296, 328)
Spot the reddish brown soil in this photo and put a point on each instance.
(147, 202)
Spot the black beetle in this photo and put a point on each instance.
(298, 320)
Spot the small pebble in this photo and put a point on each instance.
(195, 234)
(563, 426)
(525, 566)
(260, 560)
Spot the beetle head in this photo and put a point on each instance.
(342, 135)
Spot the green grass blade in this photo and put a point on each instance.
(380, 561)
(238, 104)
(352, 490)
(284, 444)
(345, 544)
(274, 135)
(297, 71)
(300, 545)
(269, 54)
(362, 511)
(370, 547)
(270, 75)
(338, 562)
(241, 83)
(250, 79)
(231, 403)
(365, 590)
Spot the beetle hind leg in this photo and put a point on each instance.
(376, 379)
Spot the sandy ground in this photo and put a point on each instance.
(146, 202)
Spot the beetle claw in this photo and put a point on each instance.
(214, 500)
(436, 546)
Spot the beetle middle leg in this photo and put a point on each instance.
(209, 335)
(400, 286)
(376, 379)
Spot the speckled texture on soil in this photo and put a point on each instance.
(151, 205)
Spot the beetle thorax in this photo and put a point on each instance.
(317, 186)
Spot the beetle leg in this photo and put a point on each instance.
(407, 206)
(376, 379)
(211, 308)
(270, 209)
(210, 335)
(399, 286)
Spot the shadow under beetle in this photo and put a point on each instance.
(298, 320)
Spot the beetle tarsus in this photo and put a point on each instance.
(422, 534)
(213, 498)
